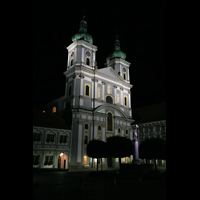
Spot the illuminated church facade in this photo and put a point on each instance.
(97, 101)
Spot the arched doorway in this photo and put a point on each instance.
(62, 161)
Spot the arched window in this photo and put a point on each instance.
(126, 101)
(124, 76)
(87, 90)
(109, 99)
(86, 126)
(109, 89)
(118, 98)
(54, 110)
(110, 122)
(99, 93)
(87, 61)
(72, 62)
(99, 128)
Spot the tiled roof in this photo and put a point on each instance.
(50, 120)
(155, 112)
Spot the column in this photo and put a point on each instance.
(80, 141)
(115, 94)
(103, 91)
(122, 97)
(56, 160)
(42, 160)
(136, 147)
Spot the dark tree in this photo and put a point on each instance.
(119, 147)
(96, 149)
(153, 148)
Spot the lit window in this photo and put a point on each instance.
(85, 160)
(109, 89)
(54, 110)
(127, 159)
(118, 98)
(99, 93)
(43, 111)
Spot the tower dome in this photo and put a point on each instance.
(117, 53)
(82, 34)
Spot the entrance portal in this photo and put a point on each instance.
(62, 161)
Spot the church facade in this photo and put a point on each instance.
(98, 100)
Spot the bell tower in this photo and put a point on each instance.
(117, 60)
(81, 57)
(82, 51)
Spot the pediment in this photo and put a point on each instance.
(109, 72)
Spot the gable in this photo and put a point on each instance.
(109, 71)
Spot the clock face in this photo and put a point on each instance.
(72, 54)
(124, 69)
(88, 53)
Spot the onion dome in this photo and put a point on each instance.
(117, 53)
(82, 34)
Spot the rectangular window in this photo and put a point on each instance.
(36, 137)
(50, 138)
(63, 139)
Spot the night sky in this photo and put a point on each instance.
(141, 27)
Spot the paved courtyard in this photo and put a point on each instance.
(75, 185)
